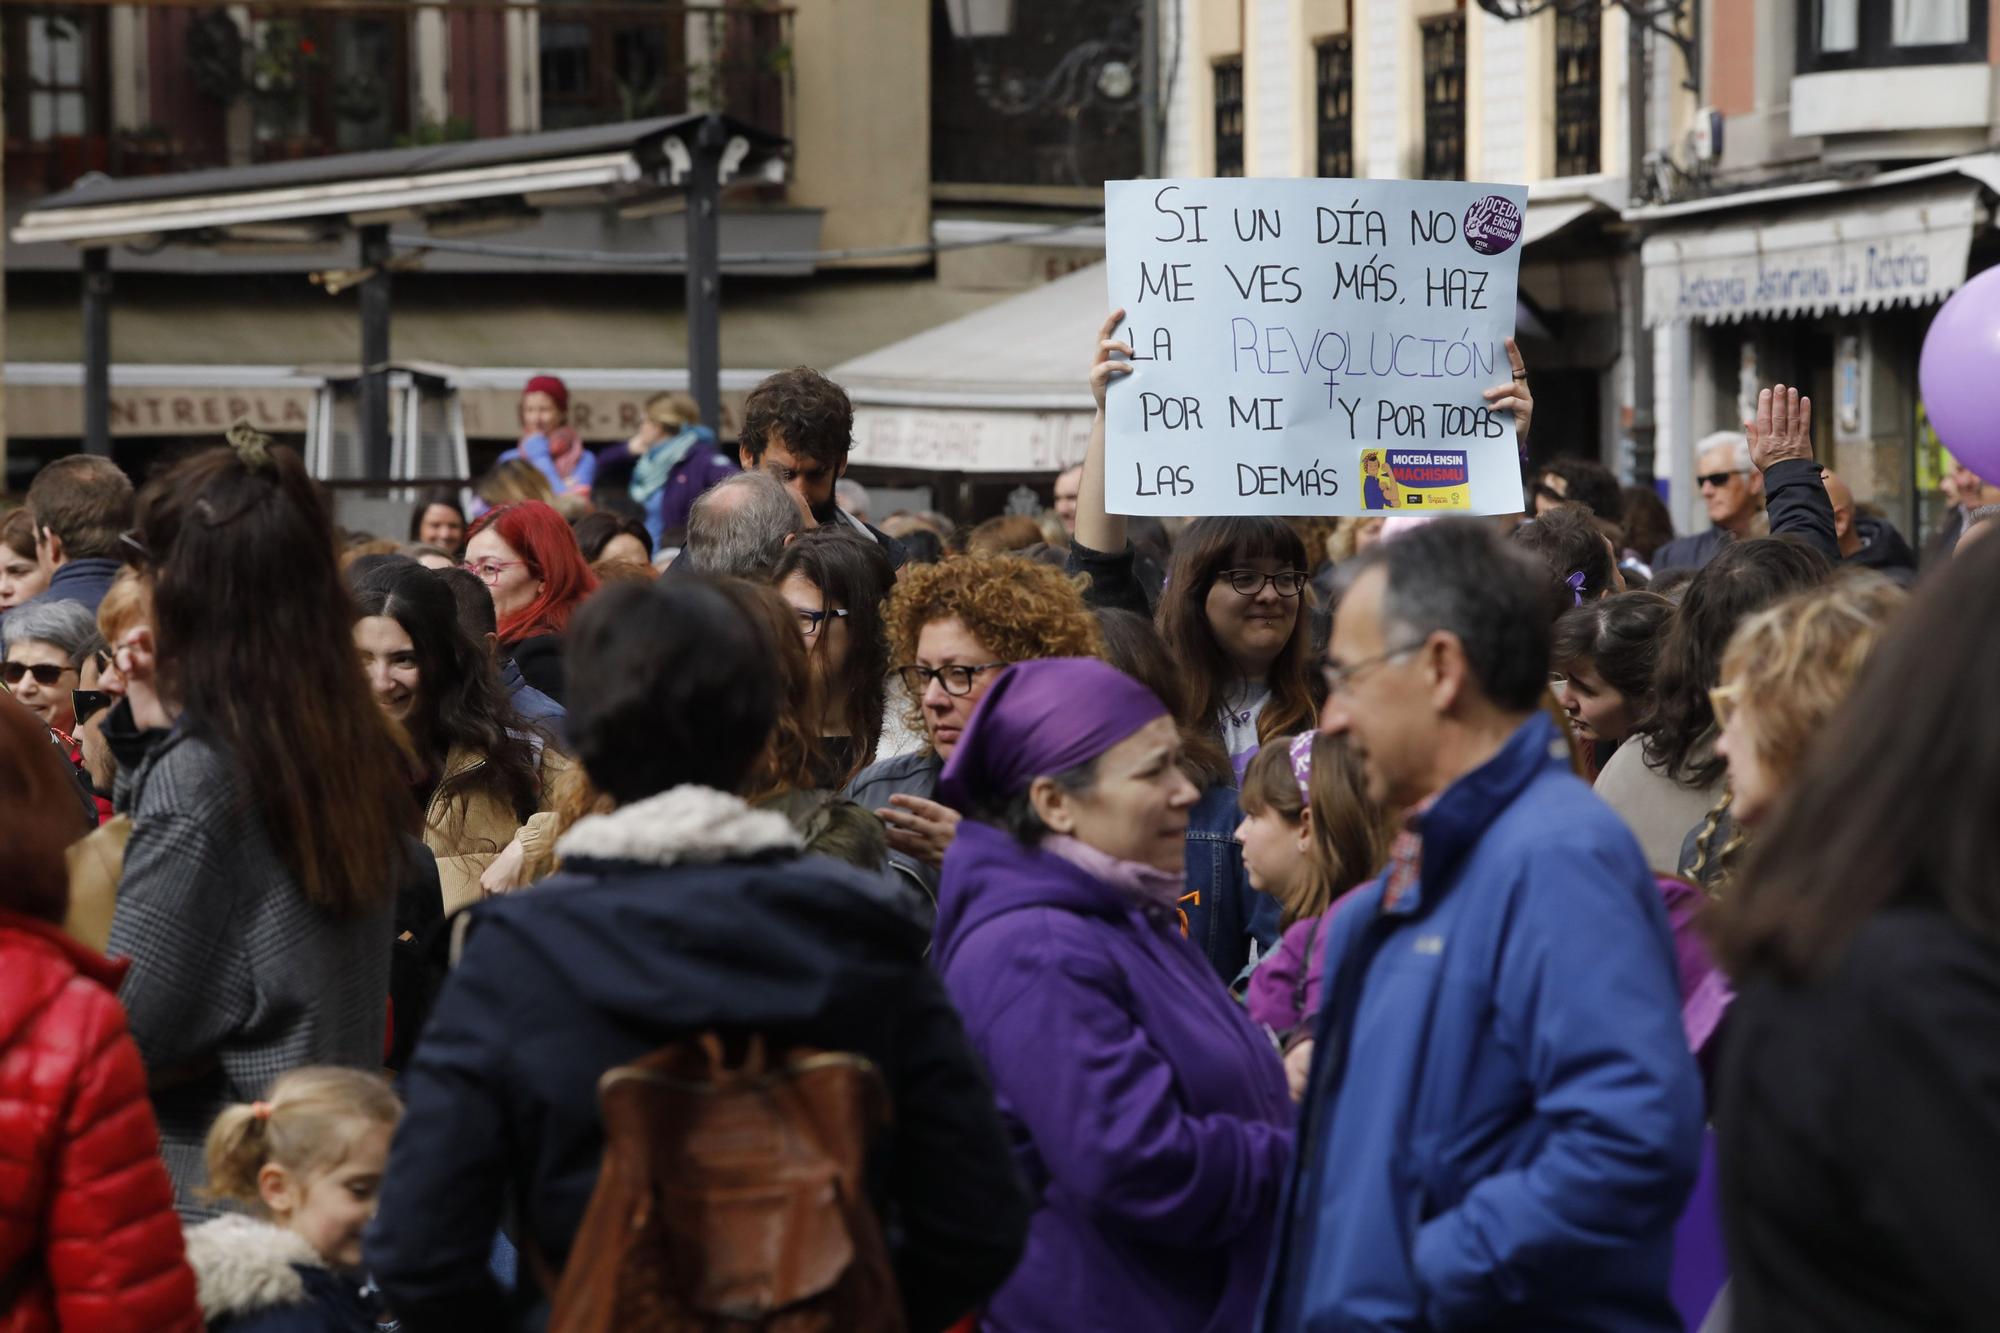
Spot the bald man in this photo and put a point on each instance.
(1867, 542)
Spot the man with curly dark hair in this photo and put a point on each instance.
(798, 426)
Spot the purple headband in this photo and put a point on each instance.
(1302, 764)
(1575, 585)
(1042, 718)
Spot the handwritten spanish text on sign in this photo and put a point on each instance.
(1312, 346)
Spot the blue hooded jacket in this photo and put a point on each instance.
(1502, 1121)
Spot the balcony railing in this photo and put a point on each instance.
(270, 82)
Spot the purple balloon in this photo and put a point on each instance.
(1959, 375)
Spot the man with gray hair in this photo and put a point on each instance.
(1740, 473)
(738, 528)
(1732, 489)
(1498, 1065)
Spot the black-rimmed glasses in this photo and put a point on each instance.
(956, 680)
(1250, 582)
(810, 621)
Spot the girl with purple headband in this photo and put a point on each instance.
(1310, 836)
(1148, 1112)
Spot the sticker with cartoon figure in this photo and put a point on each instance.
(1415, 480)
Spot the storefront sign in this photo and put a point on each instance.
(1312, 346)
(963, 440)
(1844, 258)
(55, 411)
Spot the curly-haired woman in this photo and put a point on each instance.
(951, 627)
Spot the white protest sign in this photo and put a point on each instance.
(1312, 346)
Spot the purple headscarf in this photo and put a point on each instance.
(1042, 718)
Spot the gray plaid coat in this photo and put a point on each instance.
(235, 977)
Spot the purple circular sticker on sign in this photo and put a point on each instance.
(1492, 224)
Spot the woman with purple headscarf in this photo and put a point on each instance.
(1147, 1112)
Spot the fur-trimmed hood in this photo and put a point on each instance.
(682, 826)
(243, 1265)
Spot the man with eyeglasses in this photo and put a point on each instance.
(1502, 1119)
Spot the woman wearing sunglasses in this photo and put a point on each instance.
(50, 646)
(836, 583)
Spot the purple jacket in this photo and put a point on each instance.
(704, 467)
(1284, 990)
(1147, 1112)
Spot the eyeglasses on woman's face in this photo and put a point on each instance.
(810, 621)
(46, 674)
(1250, 582)
(489, 570)
(955, 680)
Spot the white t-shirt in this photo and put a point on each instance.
(1241, 707)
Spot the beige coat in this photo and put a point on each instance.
(1659, 810)
(466, 833)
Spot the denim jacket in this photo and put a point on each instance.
(1224, 914)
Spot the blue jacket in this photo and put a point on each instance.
(83, 580)
(1224, 914)
(530, 704)
(1503, 1121)
(535, 448)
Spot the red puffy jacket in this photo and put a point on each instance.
(89, 1242)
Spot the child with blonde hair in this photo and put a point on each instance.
(1310, 835)
(307, 1166)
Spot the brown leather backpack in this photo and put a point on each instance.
(731, 1197)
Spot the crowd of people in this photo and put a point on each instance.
(653, 895)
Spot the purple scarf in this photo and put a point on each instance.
(1042, 718)
(1157, 892)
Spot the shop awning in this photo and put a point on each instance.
(1000, 390)
(615, 344)
(1899, 238)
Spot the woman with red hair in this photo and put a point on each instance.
(527, 557)
(88, 1234)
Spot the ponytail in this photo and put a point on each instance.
(238, 1147)
(309, 1124)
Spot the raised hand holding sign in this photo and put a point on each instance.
(1312, 347)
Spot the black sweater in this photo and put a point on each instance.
(1859, 1123)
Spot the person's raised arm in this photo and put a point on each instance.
(1781, 448)
(1513, 396)
(1096, 528)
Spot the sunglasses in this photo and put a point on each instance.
(1716, 479)
(46, 674)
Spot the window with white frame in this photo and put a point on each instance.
(1876, 34)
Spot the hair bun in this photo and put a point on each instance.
(253, 446)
